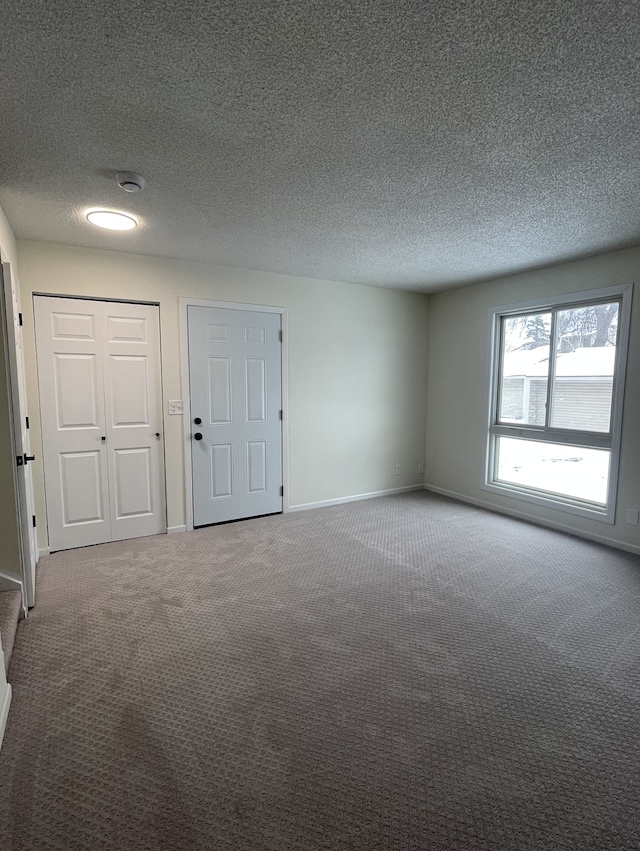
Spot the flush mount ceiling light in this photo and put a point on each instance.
(111, 219)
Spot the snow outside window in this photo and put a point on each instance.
(556, 401)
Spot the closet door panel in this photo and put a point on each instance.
(70, 376)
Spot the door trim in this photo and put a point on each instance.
(17, 385)
(96, 298)
(185, 303)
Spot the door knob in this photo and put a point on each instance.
(197, 436)
(29, 458)
(197, 420)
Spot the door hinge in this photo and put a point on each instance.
(281, 414)
(27, 420)
(34, 521)
(19, 319)
(19, 461)
(280, 335)
(281, 490)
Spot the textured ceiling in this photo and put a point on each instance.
(413, 144)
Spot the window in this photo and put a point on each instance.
(556, 401)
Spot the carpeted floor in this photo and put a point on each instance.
(400, 673)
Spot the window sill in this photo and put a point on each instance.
(550, 501)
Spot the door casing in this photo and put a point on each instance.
(184, 357)
(9, 299)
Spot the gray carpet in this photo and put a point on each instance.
(399, 673)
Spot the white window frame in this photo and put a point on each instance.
(550, 434)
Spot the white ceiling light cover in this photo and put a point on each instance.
(111, 219)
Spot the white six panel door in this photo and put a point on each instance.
(235, 389)
(99, 379)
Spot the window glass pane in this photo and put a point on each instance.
(585, 359)
(524, 368)
(554, 468)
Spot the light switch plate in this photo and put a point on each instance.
(176, 406)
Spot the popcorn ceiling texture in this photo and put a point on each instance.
(408, 144)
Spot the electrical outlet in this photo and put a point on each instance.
(398, 468)
(176, 406)
(632, 516)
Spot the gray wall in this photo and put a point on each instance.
(357, 364)
(358, 359)
(9, 541)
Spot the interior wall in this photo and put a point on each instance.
(357, 365)
(459, 366)
(10, 548)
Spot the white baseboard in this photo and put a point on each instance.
(4, 709)
(325, 502)
(531, 518)
(44, 551)
(172, 530)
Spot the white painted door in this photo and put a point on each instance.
(133, 409)
(22, 449)
(101, 411)
(235, 384)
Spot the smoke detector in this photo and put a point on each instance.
(129, 181)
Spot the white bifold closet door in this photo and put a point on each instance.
(101, 412)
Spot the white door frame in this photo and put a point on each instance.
(20, 445)
(184, 358)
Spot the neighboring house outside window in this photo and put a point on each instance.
(556, 400)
